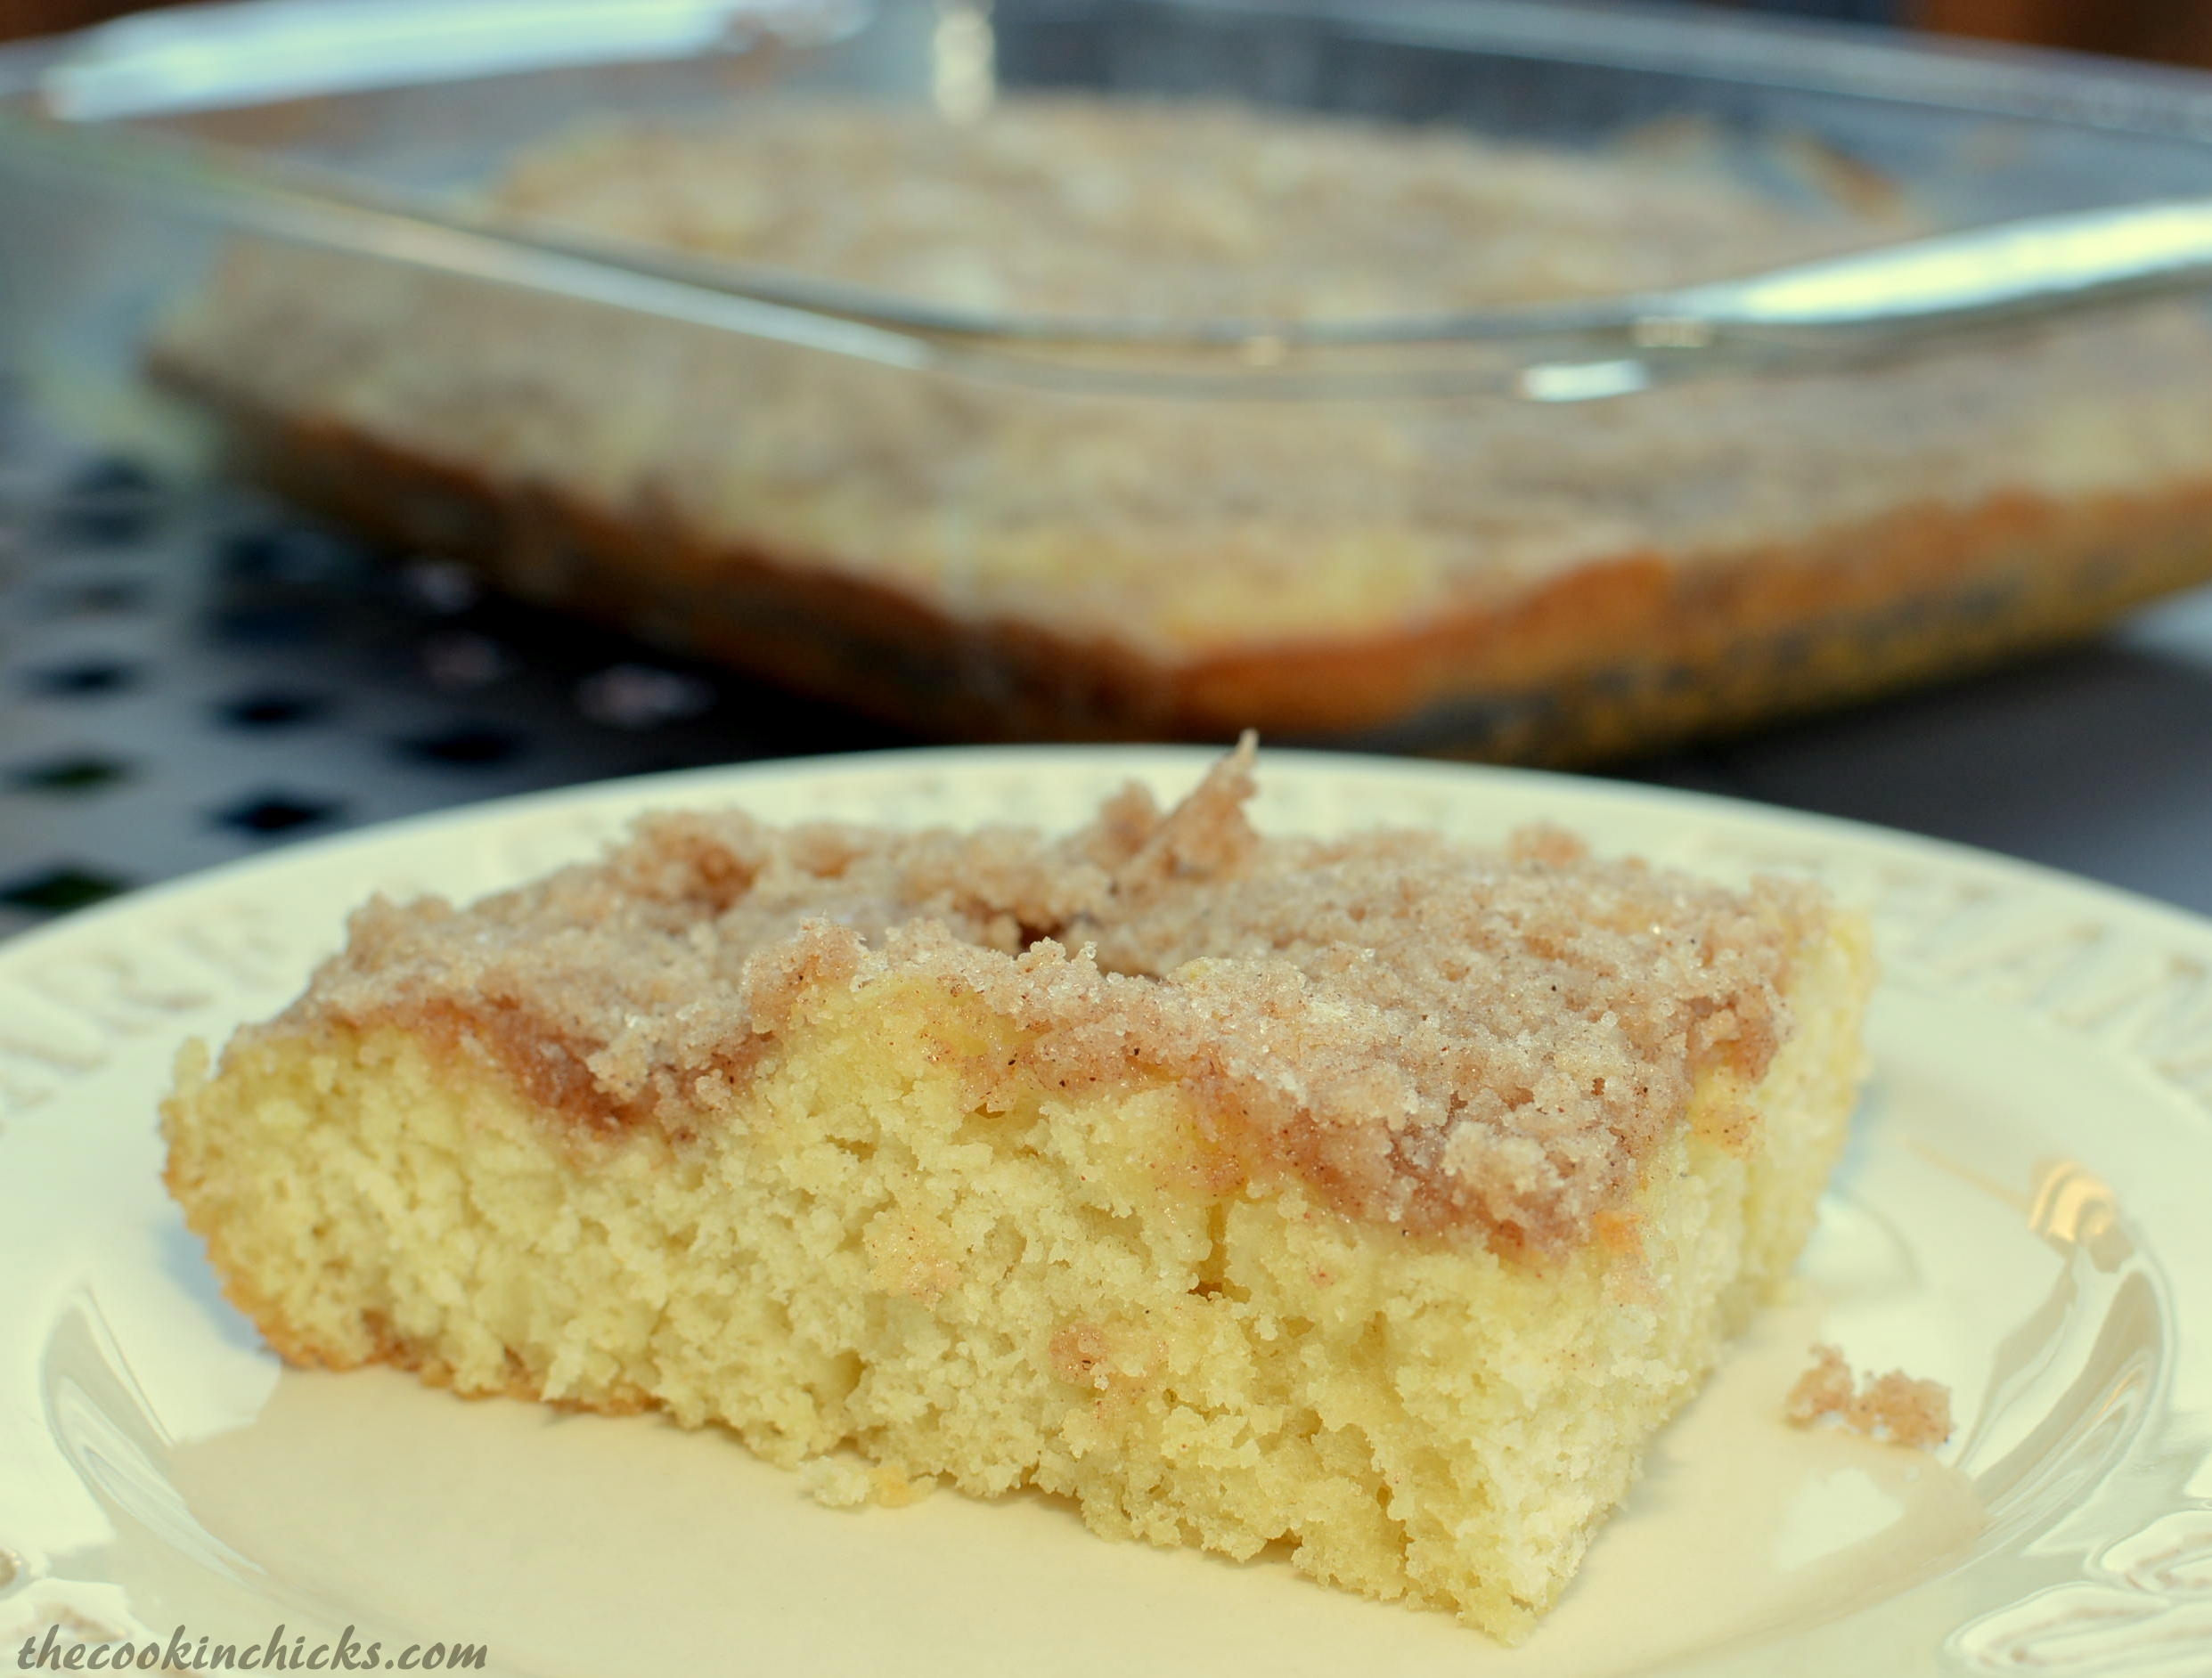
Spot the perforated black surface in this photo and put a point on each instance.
(189, 674)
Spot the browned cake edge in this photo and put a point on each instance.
(1619, 654)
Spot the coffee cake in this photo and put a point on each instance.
(1011, 558)
(1378, 1197)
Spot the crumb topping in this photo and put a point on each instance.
(1441, 1039)
(1075, 205)
(1894, 1407)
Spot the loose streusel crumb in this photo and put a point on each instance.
(1447, 1041)
(1894, 1407)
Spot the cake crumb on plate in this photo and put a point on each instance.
(1894, 1408)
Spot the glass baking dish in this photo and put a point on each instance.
(1352, 522)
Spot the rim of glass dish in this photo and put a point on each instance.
(1196, 355)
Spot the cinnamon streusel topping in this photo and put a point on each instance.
(1450, 1040)
(1075, 205)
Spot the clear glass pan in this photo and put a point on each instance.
(1347, 529)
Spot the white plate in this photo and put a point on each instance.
(2023, 1214)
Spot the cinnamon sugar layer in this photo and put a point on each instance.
(1445, 1039)
(1117, 208)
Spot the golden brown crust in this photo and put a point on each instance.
(1433, 1037)
(1616, 654)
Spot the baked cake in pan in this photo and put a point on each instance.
(1376, 1198)
(1010, 559)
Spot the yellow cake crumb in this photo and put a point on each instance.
(846, 1482)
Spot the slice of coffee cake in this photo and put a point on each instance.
(1379, 1196)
